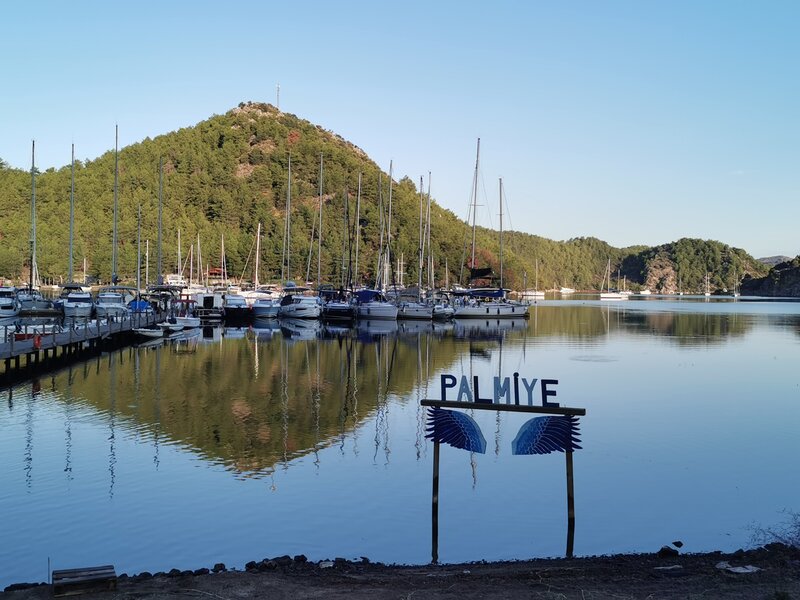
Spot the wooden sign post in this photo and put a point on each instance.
(537, 436)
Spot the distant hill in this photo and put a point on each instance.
(774, 260)
(783, 280)
(227, 174)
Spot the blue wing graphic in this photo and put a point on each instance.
(543, 435)
(456, 429)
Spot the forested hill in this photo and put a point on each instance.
(227, 174)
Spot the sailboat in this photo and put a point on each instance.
(75, 299)
(534, 293)
(372, 303)
(112, 301)
(486, 302)
(262, 298)
(708, 287)
(608, 294)
(294, 303)
(411, 305)
(30, 298)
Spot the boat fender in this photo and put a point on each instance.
(37, 341)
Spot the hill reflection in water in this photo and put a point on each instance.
(252, 400)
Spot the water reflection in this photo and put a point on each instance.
(284, 389)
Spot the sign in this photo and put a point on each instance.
(558, 432)
(501, 391)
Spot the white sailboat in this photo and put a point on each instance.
(75, 299)
(294, 304)
(372, 303)
(487, 302)
(608, 294)
(412, 307)
(30, 298)
(535, 293)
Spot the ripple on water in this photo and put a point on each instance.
(594, 358)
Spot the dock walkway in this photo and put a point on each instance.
(37, 347)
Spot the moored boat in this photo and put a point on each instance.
(184, 313)
(9, 303)
(295, 305)
(372, 305)
(112, 302)
(235, 309)
(76, 301)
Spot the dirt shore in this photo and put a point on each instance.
(651, 576)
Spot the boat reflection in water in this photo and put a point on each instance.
(487, 328)
(371, 329)
(300, 329)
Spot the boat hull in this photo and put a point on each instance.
(491, 310)
(415, 310)
(377, 311)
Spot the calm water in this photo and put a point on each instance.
(238, 445)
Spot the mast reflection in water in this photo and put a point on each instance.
(234, 445)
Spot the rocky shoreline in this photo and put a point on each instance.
(771, 571)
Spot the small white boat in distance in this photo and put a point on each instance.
(644, 292)
(566, 290)
(9, 304)
(531, 294)
(149, 332)
(184, 313)
(169, 328)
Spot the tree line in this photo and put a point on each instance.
(227, 174)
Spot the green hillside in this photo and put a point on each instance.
(226, 174)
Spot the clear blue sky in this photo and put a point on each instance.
(635, 122)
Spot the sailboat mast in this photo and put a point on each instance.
(319, 234)
(200, 263)
(116, 184)
(421, 242)
(138, 252)
(387, 265)
(475, 200)
(501, 233)
(379, 267)
(179, 269)
(159, 279)
(223, 266)
(258, 253)
(71, 212)
(33, 215)
(431, 274)
(358, 224)
(285, 261)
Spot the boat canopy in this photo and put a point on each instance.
(369, 296)
(481, 292)
(139, 306)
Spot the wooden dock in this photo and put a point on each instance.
(33, 348)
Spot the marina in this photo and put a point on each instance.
(303, 437)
